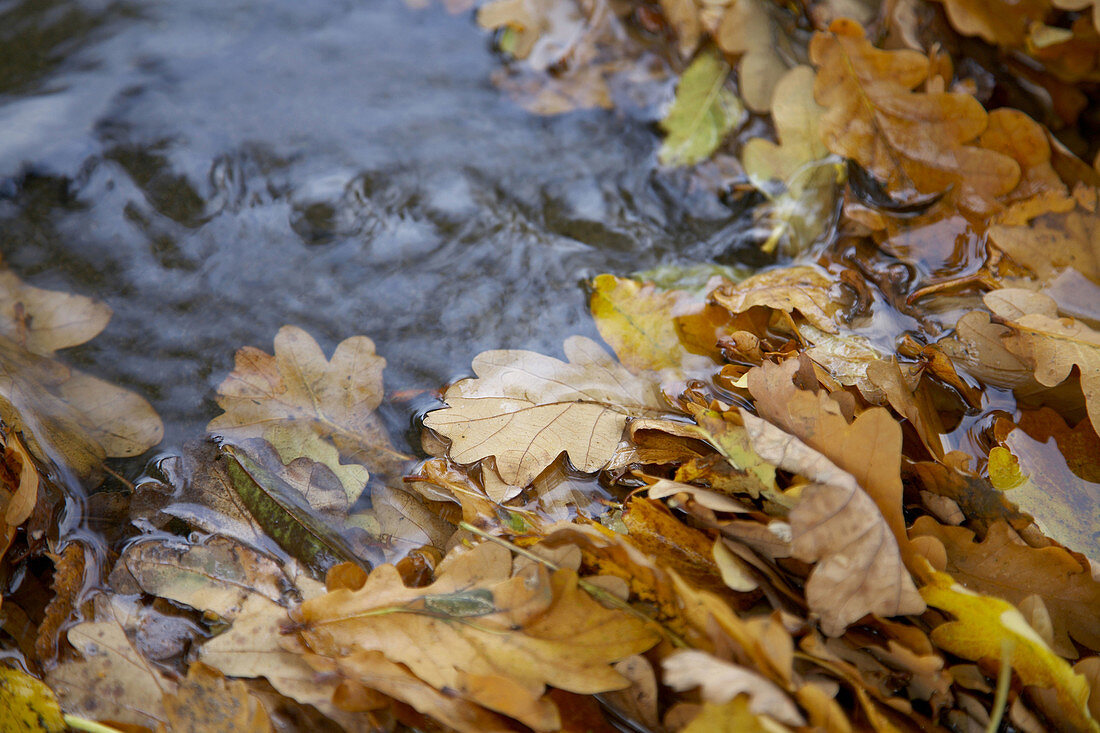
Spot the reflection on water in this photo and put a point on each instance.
(216, 169)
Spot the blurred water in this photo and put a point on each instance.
(214, 169)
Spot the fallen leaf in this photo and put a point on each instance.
(67, 584)
(730, 717)
(1000, 22)
(298, 389)
(1081, 5)
(526, 409)
(788, 289)
(683, 17)
(477, 622)
(988, 628)
(859, 567)
(206, 702)
(659, 534)
(1002, 567)
(803, 207)
(112, 681)
(1055, 241)
(215, 577)
(27, 705)
(720, 682)
(45, 321)
(702, 114)
(18, 489)
(916, 143)
(846, 357)
(747, 30)
(1050, 345)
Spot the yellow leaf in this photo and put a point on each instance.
(981, 628)
(730, 717)
(27, 705)
(702, 114)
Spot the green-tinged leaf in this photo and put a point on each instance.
(702, 114)
(27, 705)
(277, 509)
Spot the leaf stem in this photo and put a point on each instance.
(1004, 677)
(90, 726)
(592, 589)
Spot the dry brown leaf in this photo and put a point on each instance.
(526, 409)
(18, 489)
(1000, 22)
(916, 143)
(477, 628)
(1001, 565)
(799, 288)
(1050, 345)
(836, 525)
(869, 448)
(297, 389)
(721, 681)
(206, 702)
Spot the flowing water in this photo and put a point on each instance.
(213, 169)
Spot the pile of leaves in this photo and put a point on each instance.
(856, 490)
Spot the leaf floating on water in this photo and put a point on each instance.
(526, 409)
(45, 321)
(702, 114)
(800, 288)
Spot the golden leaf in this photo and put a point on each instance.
(915, 143)
(1058, 240)
(206, 702)
(1000, 22)
(788, 289)
(27, 705)
(526, 409)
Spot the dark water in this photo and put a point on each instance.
(214, 169)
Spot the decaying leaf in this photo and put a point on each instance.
(526, 409)
(748, 31)
(914, 142)
(702, 114)
(1050, 345)
(18, 489)
(207, 701)
(835, 524)
(996, 21)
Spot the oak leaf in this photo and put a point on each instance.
(800, 166)
(989, 628)
(477, 624)
(1000, 22)
(298, 389)
(1081, 5)
(747, 30)
(1000, 566)
(1050, 345)
(721, 681)
(702, 114)
(206, 702)
(836, 525)
(799, 288)
(526, 409)
(916, 143)
(44, 321)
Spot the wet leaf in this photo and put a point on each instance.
(802, 209)
(721, 682)
(835, 524)
(19, 481)
(914, 142)
(112, 681)
(45, 321)
(987, 628)
(280, 510)
(526, 409)
(215, 577)
(298, 391)
(1050, 345)
(730, 717)
(27, 705)
(206, 702)
(747, 30)
(1081, 5)
(1001, 566)
(1056, 241)
(702, 114)
(997, 21)
(789, 289)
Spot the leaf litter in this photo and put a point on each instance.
(855, 490)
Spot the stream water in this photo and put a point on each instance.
(213, 169)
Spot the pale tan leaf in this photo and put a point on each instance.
(747, 30)
(835, 524)
(43, 321)
(526, 409)
(722, 681)
(799, 288)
